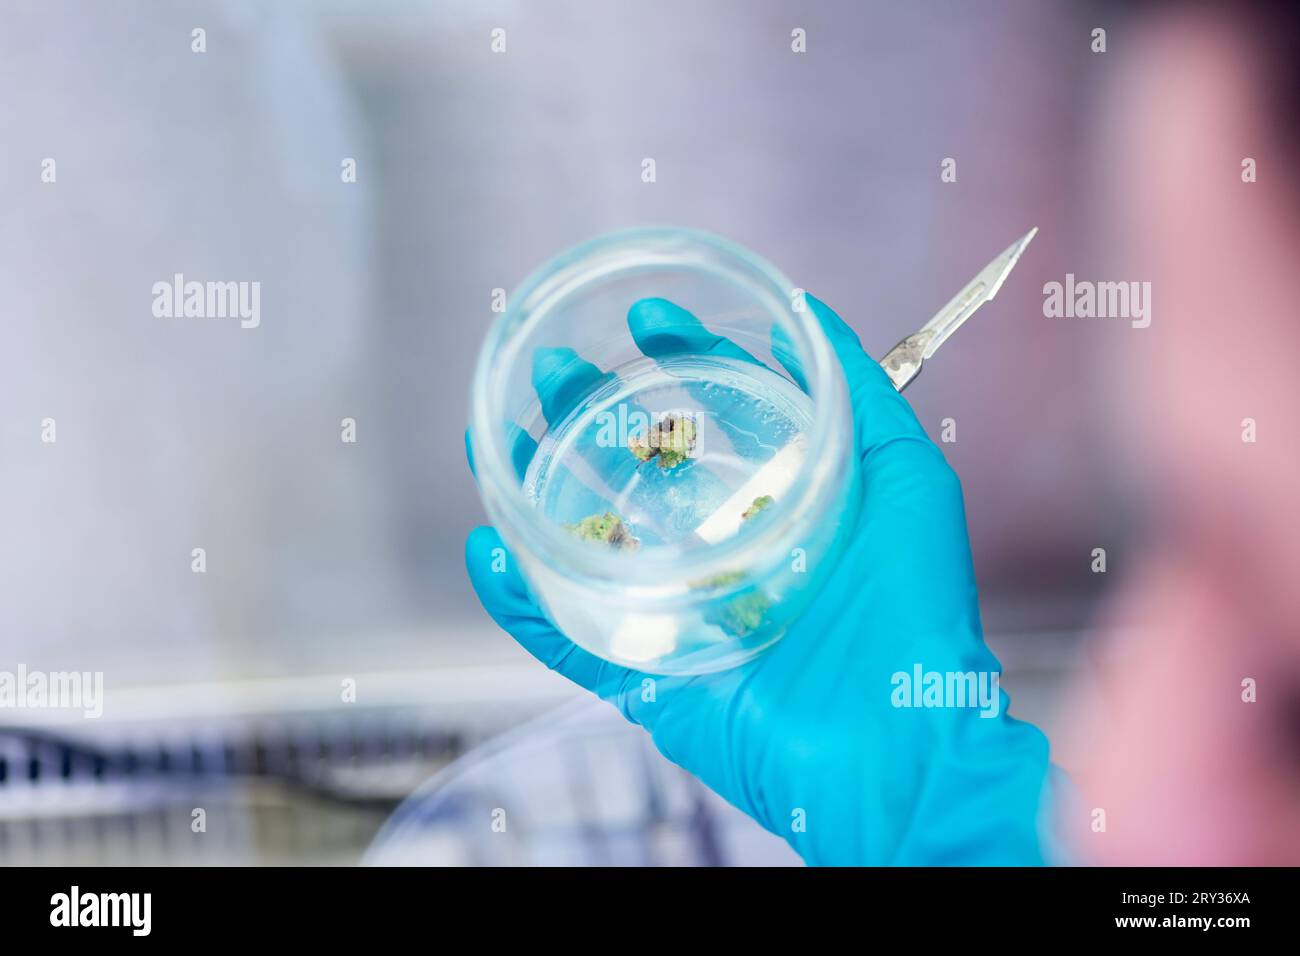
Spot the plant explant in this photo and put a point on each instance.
(607, 528)
(671, 440)
(744, 614)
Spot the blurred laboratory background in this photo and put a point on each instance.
(331, 663)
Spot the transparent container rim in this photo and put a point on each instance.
(503, 491)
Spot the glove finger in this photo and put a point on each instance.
(562, 379)
(881, 414)
(907, 482)
(505, 595)
(522, 449)
(662, 329)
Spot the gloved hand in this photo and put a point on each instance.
(807, 738)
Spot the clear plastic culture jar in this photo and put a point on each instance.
(662, 435)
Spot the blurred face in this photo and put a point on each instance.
(1224, 345)
(1184, 768)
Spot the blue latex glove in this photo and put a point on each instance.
(806, 738)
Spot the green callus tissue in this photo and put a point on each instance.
(744, 614)
(671, 441)
(607, 528)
